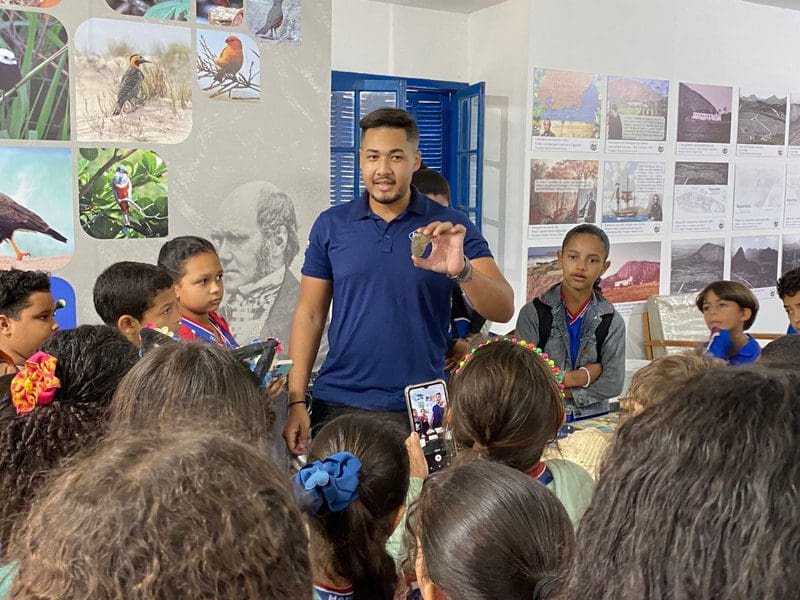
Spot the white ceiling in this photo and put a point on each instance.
(459, 6)
(793, 4)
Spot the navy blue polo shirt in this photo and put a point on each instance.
(390, 320)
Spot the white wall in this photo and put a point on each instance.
(385, 39)
(728, 42)
(498, 55)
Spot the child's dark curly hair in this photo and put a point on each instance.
(91, 361)
(789, 283)
(165, 514)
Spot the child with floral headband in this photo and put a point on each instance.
(61, 399)
(506, 404)
(352, 493)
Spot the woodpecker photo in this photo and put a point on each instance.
(123, 192)
(131, 83)
(14, 217)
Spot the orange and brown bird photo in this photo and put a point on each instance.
(36, 222)
(228, 65)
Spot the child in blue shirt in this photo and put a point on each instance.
(729, 309)
(789, 293)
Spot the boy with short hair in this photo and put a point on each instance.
(789, 293)
(131, 295)
(729, 309)
(27, 316)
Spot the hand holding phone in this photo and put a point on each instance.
(427, 405)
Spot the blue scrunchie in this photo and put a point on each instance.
(333, 480)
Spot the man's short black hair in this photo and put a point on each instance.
(176, 252)
(393, 118)
(16, 288)
(782, 353)
(429, 181)
(789, 283)
(128, 288)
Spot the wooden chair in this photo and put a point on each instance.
(650, 343)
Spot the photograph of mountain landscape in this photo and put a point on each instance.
(754, 260)
(704, 113)
(696, 263)
(794, 120)
(635, 272)
(791, 253)
(762, 119)
(543, 270)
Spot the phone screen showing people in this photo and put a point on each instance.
(427, 404)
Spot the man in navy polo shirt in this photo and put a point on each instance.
(391, 311)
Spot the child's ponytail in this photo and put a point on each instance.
(351, 490)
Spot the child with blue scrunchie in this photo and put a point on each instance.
(352, 492)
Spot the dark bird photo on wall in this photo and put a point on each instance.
(14, 217)
(37, 228)
(275, 21)
(34, 77)
(10, 74)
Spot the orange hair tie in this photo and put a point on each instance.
(35, 384)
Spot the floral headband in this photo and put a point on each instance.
(35, 384)
(538, 351)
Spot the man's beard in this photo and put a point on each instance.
(389, 199)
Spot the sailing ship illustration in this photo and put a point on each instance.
(627, 196)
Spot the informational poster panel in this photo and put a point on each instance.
(566, 111)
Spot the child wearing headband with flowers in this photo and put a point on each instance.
(60, 401)
(506, 405)
(352, 492)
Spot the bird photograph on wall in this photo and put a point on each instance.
(275, 21)
(36, 223)
(34, 3)
(171, 10)
(122, 193)
(34, 77)
(227, 13)
(228, 66)
(130, 86)
(134, 81)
